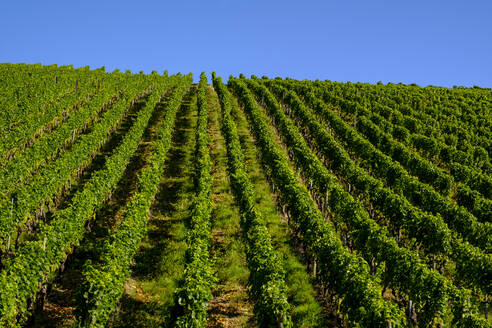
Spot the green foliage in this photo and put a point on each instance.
(383, 167)
(343, 272)
(400, 173)
(34, 262)
(430, 230)
(194, 292)
(103, 282)
(33, 194)
(267, 275)
(404, 269)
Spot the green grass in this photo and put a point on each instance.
(306, 312)
(231, 306)
(159, 263)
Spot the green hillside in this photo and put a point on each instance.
(144, 200)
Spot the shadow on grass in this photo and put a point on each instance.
(149, 256)
(148, 297)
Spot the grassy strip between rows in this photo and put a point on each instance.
(305, 309)
(231, 305)
(267, 276)
(148, 299)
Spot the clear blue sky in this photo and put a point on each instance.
(425, 42)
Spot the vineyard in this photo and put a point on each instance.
(145, 200)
